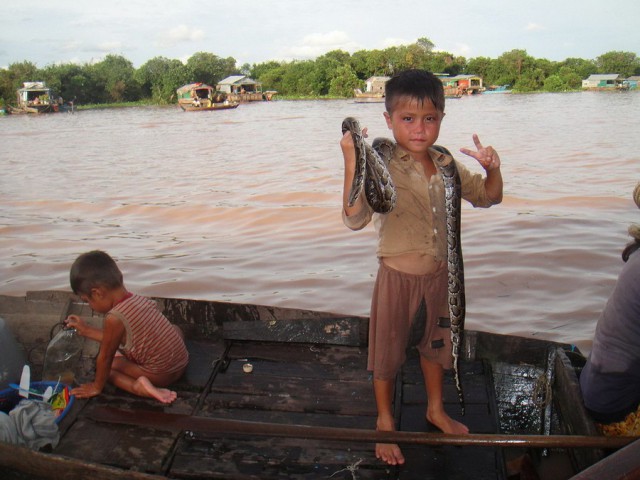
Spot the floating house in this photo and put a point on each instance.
(374, 90)
(202, 97)
(376, 84)
(241, 88)
(36, 97)
(604, 81)
(462, 85)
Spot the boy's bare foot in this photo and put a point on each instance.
(447, 424)
(388, 452)
(148, 389)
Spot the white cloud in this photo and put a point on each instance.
(180, 34)
(71, 46)
(532, 27)
(395, 42)
(330, 39)
(109, 46)
(459, 49)
(317, 44)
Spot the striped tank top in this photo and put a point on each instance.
(151, 341)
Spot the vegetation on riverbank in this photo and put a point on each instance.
(115, 80)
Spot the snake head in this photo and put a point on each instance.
(350, 124)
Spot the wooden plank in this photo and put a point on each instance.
(477, 418)
(472, 376)
(567, 389)
(290, 393)
(27, 463)
(300, 418)
(507, 348)
(443, 462)
(621, 465)
(203, 356)
(211, 319)
(232, 456)
(450, 463)
(178, 422)
(324, 361)
(576, 419)
(294, 378)
(197, 318)
(514, 386)
(301, 401)
(123, 446)
(322, 330)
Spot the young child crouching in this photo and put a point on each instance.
(141, 352)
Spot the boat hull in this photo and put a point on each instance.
(309, 374)
(209, 108)
(368, 98)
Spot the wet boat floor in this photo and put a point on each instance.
(325, 386)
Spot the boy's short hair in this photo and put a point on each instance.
(92, 270)
(417, 84)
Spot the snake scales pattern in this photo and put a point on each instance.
(455, 265)
(371, 171)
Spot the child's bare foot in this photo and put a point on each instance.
(148, 389)
(388, 452)
(447, 424)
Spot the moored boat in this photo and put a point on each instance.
(36, 97)
(374, 90)
(498, 89)
(199, 97)
(452, 92)
(367, 97)
(305, 408)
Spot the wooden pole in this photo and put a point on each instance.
(198, 424)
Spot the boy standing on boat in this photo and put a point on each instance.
(141, 352)
(412, 253)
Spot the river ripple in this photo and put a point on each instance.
(244, 205)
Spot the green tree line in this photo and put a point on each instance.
(334, 74)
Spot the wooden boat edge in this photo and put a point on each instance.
(178, 310)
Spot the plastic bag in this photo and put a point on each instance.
(62, 356)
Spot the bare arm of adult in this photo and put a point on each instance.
(490, 161)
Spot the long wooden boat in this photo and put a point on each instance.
(306, 408)
(199, 97)
(207, 106)
(497, 89)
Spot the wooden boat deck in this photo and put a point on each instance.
(324, 386)
(309, 368)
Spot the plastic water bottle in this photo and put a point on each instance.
(62, 356)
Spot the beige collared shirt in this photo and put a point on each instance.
(417, 223)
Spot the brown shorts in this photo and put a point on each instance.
(401, 302)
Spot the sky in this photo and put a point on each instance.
(47, 32)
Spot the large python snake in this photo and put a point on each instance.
(455, 265)
(371, 171)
